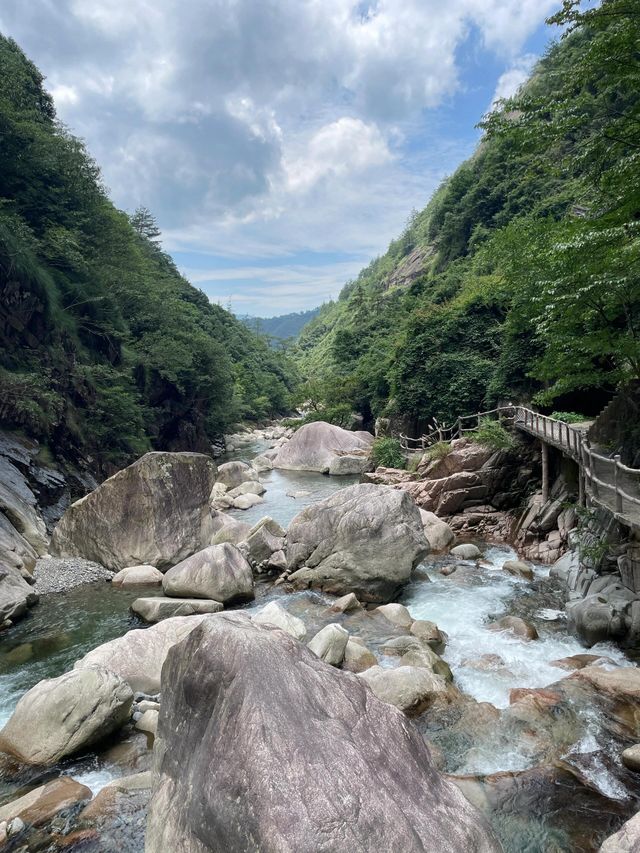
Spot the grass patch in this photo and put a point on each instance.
(492, 434)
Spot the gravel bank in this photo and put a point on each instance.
(57, 575)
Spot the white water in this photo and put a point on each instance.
(462, 605)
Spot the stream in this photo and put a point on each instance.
(559, 786)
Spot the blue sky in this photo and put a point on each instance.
(281, 144)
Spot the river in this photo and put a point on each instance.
(487, 665)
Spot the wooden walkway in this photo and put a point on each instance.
(604, 480)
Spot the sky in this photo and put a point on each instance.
(281, 144)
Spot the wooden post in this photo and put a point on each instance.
(581, 500)
(459, 427)
(616, 460)
(545, 472)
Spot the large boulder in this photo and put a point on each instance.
(16, 595)
(439, 535)
(156, 512)
(157, 608)
(60, 716)
(329, 643)
(233, 474)
(410, 688)
(315, 446)
(137, 576)
(364, 539)
(23, 534)
(220, 572)
(261, 746)
(138, 655)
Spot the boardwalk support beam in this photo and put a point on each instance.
(545, 471)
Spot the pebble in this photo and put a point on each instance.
(58, 575)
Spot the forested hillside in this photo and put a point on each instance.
(521, 278)
(283, 327)
(105, 350)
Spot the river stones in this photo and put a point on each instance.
(466, 552)
(254, 710)
(60, 716)
(631, 758)
(329, 644)
(40, 805)
(357, 657)
(137, 576)
(397, 614)
(346, 603)
(410, 688)
(261, 543)
(159, 607)
(430, 634)
(230, 530)
(138, 656)
(247, 501)
(439, 534)
(155, 512)
(519, 569)
(516, 626)
(364, 539)
(219, 572)
(275, 615)
(233, 474)
(315, 446)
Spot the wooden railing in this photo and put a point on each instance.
(604, 479)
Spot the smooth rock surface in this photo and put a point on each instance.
(60, 716)
(410, 688)
(439, 535)
(316, 445)
(357, 657)
(254, 711)
(233, 474)
(626, 840)
(363, 539)
(329, 644)
(346, 603)
(275, 615)
(219, 572)
(516, 626)
(138, 655)
(16, 595)
(397, 614)
(137, 576)
(519, 569)
(155, 512)
(157, 608)
(43, 803)
(466, 552)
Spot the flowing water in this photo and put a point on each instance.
(572, 751)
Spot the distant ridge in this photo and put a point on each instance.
(282, 327)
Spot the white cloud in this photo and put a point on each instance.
(270, 128)
(510, 81)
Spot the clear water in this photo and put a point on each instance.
(64, 627)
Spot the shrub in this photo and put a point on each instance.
(438, 450)
(569, 417)
(388, 453)
(493, 434)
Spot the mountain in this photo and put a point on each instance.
(518, 280)
(106, 350)
(283, 327)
